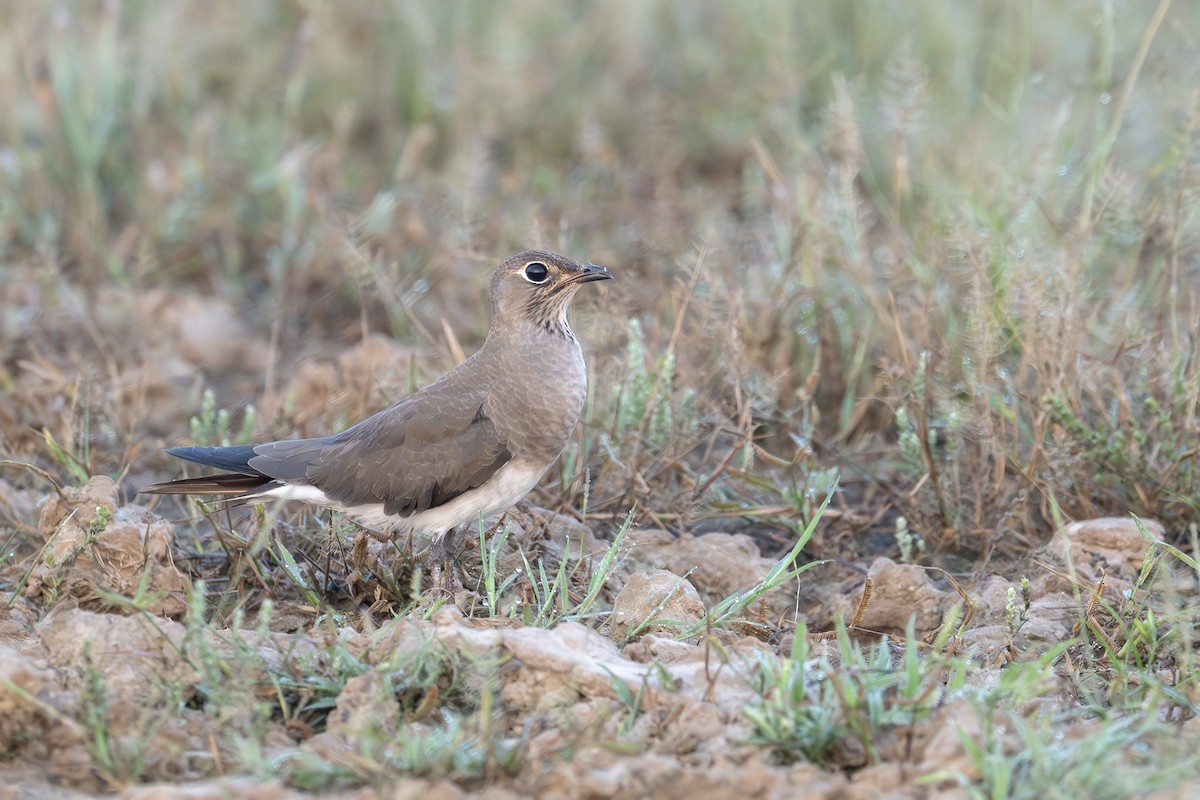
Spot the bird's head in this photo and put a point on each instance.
(536, 286)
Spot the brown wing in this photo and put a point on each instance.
(422, 452)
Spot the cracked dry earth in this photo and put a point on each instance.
(556, 694)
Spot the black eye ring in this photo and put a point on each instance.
(536, 272)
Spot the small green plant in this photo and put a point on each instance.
(141, 600)
(212, 425)
(911, 543)
(6, 547)
(312, 594)
(489, 552)
(652, 617)
(602, 573)
(1148, 445)
(95, 711)
(797, 713)
(99, 523)
(632, 700)
(75, 466)
(309, 772)
(811, 702)
(782, 572)
(803, 495)
(552, 596)
(929, 431)
(228, 667)
(52, 581)
(1020, 756)
(1016, 613)
(643, 399)
(118, 755)
(458, 747)
(443, 728)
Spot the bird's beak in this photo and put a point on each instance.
(591, 272)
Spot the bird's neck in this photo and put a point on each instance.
(545, 329)
(552, 320)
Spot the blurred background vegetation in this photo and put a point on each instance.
(948, 249)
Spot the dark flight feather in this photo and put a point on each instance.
(223, 483)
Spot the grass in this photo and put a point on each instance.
(812, 704)
(912, 279)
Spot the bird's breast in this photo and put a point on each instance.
(538, 396)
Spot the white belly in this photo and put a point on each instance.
(507, 487)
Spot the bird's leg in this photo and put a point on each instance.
(436, 557)
(454, 583)
(442, 568)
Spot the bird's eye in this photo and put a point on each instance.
(536, 272)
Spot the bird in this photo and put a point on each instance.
(469, 445)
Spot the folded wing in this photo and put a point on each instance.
(420, 453)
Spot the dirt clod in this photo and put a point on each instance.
(652, 601)
(899, 592)
(106, 556)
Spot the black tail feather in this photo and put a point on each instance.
(225, 483)
(233, 459)
(241, 478)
